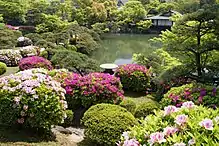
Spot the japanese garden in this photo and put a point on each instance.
(109, 72)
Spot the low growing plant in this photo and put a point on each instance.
(34, 62)
(187, 125)
(93, 88)
(134, 77)
(198, 93)
(32, 99)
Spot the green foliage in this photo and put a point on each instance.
(3, 68)
(134, 77)
(69, 118)
(145, 108)
(75, 61)
(193, 38)
(112, 120)
(172, 131)
(8, 38)
(50, 23)
(129, 104)
(13, 11)
(31, 99)
(144, 24)
(100, 28)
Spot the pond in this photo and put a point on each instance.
(119, 48)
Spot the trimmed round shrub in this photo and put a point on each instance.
(34, 62)
(31, 98)
(185, 126)
(3, 68)
(195, 92)
(145, 108)
(105, 122)
(93, 88)
(134, 77)
(129, 104)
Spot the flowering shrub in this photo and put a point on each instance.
(10, 57)
(198, 93)
(133, 77)
(185, 126)
(104, 123)
(30, 51)
(3, 68)
(34, 62)
(32, 99)
(93, 88)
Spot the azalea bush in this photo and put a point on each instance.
(3, 68)
(187, 125)
(198, 93)
(10, 57)
(34, 62)
(104, 123)
(134, 77)
(93, 88)
(31, 98)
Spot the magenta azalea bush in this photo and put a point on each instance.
(34, 62)
(32, 99)
(92, 89)
(134, 77)
(187, 125)
(197, 93)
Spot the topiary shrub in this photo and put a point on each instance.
(195, 92)
(10, 57)
(104, 123)
(93, 88)
(134, 77)
(129, 104)
(32, 99)
(34, 62)
(145, 108)
(3, 68)
(187, 125)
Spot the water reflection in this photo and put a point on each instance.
(119, 49)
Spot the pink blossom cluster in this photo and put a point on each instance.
(34, 62)
(169, 110)
(194, 94)
(130, 68)
(26, 84)
(207, 124)
(99, 86)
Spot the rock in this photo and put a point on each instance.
(61, 130)
(77, 134)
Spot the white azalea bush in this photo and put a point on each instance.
(185, 126)
(32, 99)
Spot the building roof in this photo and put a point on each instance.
(122, 2)
(158, 17)
(164, 16)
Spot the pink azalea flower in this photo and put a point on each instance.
(207, 124)
(191, 142)
(181, 119)
(170, 109)
(25, 107)
(188, 104)
(20, 121)
(131, 142)
(157, 137)
(169, 131)
(179, 144)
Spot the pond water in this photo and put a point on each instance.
(119, 48)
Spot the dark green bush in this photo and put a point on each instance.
(129, 104)
(68, 120)
(3, 68)
(104, 123)
(145, 108)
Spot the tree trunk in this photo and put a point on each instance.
(198, 64)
